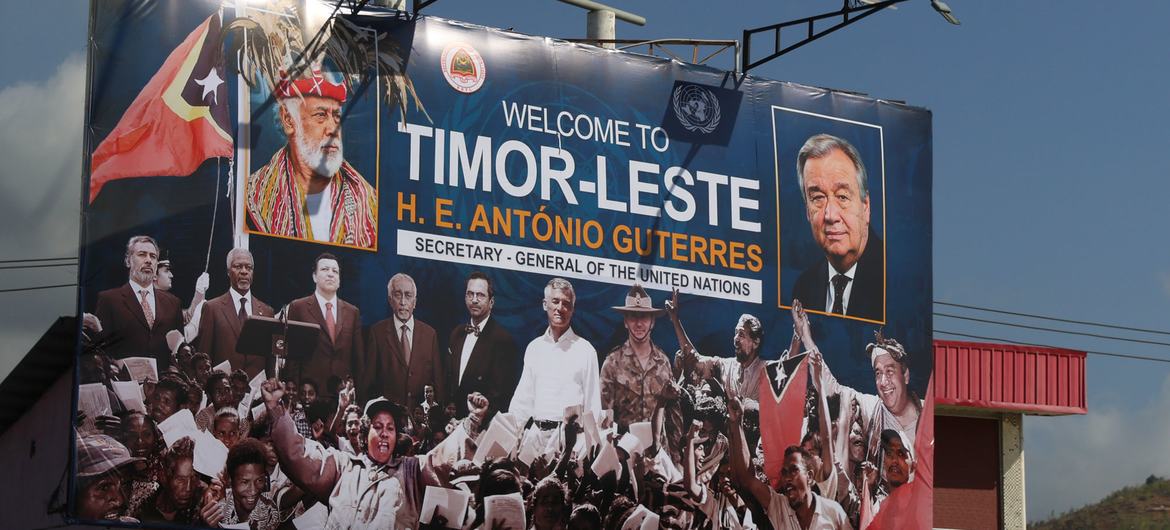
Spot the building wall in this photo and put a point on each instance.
(34, 454)
(967, 473)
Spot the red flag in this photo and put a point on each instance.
(178, 120)
(912, 505)
(781, 411)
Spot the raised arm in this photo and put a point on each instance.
(741, 471)
(824, 430)
(310, 466)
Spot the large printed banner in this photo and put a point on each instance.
(376, 271)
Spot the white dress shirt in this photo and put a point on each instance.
(321, 300)
(409, 334)
(827, 514)
(468, 345)
(851, 273)
(321, 212)
(557, 374)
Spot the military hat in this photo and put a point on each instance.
(638, 301)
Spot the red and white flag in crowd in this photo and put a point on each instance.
(179, 119)
(782, 397)
(911, 506)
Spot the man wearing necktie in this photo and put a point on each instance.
(402, 352)
(483, 356)
(223, 316)
(339, 345)
(851, 281)
(136, 317)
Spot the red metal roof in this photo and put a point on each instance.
(1028, 379)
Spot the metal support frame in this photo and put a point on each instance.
(419, 5)
(355, 5)
(661, 45)
(849, 15)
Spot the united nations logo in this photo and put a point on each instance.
(463, 67)
(696, 108)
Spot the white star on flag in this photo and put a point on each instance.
(210, 83)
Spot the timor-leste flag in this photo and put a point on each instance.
(782, 398)
(912, 504)
(178, 120)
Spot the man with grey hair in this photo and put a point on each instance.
(308, 191)
(560, 367)
(402, 352)
(223, 317)
(136, 317)
(836, 198)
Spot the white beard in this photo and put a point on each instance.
(314, 156)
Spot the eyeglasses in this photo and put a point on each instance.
(474, 295)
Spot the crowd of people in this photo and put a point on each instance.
(377, 422)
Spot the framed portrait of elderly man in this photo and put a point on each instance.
(831, 188)
(314, 174)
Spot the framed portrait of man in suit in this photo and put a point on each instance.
(831, 190)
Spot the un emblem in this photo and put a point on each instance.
(696, 108)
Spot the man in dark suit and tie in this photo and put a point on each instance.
(483, 357)
(339, 346)
(402, 353)
(851, 281)
(223, 316)
(136, 317)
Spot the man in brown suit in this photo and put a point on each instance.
(339, 346)
(402, 352)
(136, 317)
(224, 316)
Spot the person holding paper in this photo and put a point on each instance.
(402, 353)
(134, 319)
(377, 489)
(170, 395)
(246, 499)
(222, 318)
(560, 367)
(339, 345)
(636, 375)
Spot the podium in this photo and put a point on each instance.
(279, 339)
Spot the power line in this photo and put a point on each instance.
(1108, 354)
(38, 266)
(36, 288)
(1056, 319)
(35, 259)
(1041, 328)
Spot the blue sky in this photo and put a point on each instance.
(1051, 176)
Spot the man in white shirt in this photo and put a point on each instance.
(560, 367)
(791, 504)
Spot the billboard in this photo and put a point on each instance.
(372, 270)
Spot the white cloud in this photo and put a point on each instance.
(1076, 460)
(40, 189)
